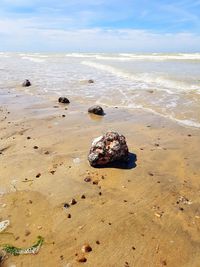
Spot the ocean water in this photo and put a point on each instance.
(165, 84)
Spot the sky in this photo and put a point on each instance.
(100, 25)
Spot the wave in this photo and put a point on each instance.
(132, 56)
(185, 122)
(34, 59)
(145, 80)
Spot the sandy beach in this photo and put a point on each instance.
(147, 215)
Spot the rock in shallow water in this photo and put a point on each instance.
(96, 110)
(63, 100)
(26, 83)
(108, 149)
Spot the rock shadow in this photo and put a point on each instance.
(130, 164)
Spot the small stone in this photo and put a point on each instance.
(63, 115)
(52, 172)
(86, 248)
(63, 100)
(38, 175)
(95, 182)
(62, 257)
(87, 179)
(46, 153)
(39, 227)
(100, 193)
(27, 233)
(97, 242)
(28, 137)
(69, 216)
(97, 110)
(35, 147)
(90, 81)
(26, 83)
(83, 196)
(81, 259)
(159, 215)
(72, 201)
(66, 205)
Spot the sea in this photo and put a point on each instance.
(164, 84)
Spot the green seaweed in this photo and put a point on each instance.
(19, 251)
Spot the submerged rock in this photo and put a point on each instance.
(63, 100)
(108, 149)
(98, 110)
(26, 83)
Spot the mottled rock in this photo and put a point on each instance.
(63, 100)
(26, 83)
(96, 110)
(108, 149)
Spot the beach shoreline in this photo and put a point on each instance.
(145, 216)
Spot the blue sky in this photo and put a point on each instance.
(100, 25)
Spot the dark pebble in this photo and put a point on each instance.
(72, 201)
(66, 205)
(38, 175)
(81, 259)
(87, 179)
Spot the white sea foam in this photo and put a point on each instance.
(34, 59)
(136, 57)
(146, 80)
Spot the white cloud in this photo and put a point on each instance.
(27, 35)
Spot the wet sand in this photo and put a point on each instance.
(148, 215)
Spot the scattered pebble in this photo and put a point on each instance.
(27, 233)
(72, 201)
(66, 205)
(69, 216)
(95, 182)
(81, 259)
(38, 175)
(97, 242)
(86, 248)
(83, 197)
(159, 215)
(35, 147)
(87, 179)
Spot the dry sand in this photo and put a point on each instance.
(144, 216)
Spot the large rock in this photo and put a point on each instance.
(26, 83)
(63, 100)
(108, 149)
(96, 110)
